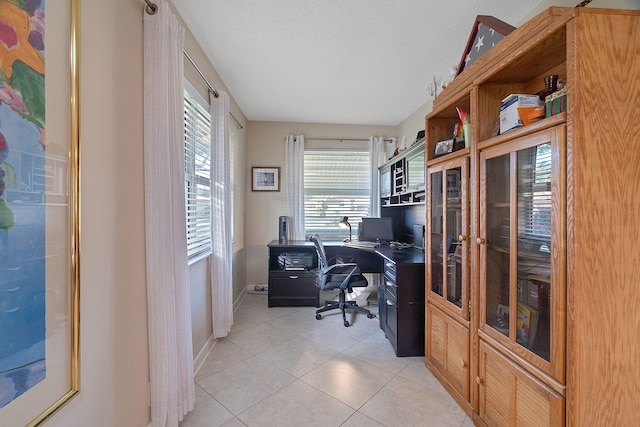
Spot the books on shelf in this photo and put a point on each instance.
(532, 293)
(526, 325)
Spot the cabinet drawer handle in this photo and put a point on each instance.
(462, 238)
(463, 364)
(480, 241)
(293, 277)
(389, 303)
(479, 380)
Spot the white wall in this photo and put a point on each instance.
(114, 353)
(265, 147)
(414, 123)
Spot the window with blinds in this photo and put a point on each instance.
(197, 168)
(336, 184)
(534, 194)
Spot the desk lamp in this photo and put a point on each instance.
(344, 224)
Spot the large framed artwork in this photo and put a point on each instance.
(39, 209)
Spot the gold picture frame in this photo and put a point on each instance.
(40, 194)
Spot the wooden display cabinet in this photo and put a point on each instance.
(549, 224)
(447, 276)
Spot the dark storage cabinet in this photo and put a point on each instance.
(293, 273)
(401, 301)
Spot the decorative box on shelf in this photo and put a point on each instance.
(511, 108)
(556, 102)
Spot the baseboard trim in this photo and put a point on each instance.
(203, 354)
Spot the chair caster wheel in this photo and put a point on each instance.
(371, 316)
(346, 323)
(318, 316)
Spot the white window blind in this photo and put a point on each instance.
(534, 193)
(336, 184)
(197, 165)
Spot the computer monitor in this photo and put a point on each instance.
(376, 230)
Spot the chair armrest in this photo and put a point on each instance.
(346, 270)
(341, 269)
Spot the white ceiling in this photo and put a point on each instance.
(336, 61)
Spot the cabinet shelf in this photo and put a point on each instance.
(540, 125)
(545, 279)
(396, 205)
(459, 153)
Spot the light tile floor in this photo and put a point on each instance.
(281, 367)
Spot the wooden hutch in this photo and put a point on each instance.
(538, 227)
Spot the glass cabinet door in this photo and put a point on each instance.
(436, 232)
(498, 232)
(522, 197)
(454, 250)
(448, 233)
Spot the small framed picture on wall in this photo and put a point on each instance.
(265, 178)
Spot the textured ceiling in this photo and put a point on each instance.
(336, 61)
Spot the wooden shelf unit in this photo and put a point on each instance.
(402, 178)
(587, 373)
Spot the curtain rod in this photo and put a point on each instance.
(346, 139)
(211, 88)
(151, 8)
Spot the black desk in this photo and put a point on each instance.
(401, 295)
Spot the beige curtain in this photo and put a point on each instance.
(377, 152)
(169, 308)
(294, 163)
(221, 211)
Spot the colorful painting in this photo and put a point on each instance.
(23, 187)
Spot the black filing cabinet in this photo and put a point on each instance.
(401, 303)
(293, 274)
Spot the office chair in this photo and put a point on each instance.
(339, 276)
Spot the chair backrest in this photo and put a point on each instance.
(322, 256)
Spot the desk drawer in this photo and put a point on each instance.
(390, 272)
(293, 288)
